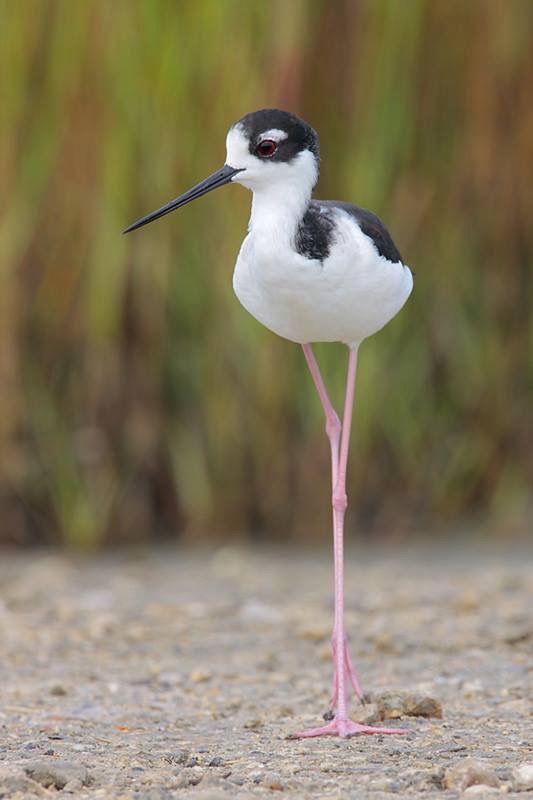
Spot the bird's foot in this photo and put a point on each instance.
(345, 728)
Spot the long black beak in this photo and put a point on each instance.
(218, 178)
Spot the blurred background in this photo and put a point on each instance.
(138, 400)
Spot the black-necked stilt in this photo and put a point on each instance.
(311, 271)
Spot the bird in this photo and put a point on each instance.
(310, 271)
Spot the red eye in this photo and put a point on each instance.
(266, 148)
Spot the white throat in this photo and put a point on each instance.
(278, 208)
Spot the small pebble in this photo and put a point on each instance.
(57, 773)
(285, 711)
(480, 790)
(195, 776)
(190, 776)
(384, 643)
(367, 714)
(316, 633)
(200, 676)
(423, 706)
(253, 724)
(58, 690)
(469, 772)
(393, 705)
(467, 602)
(523, 778)
(273, 781)
(73, 786)
(425, 780)
(177, 757)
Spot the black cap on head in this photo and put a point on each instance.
(300, 135)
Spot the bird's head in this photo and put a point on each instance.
(271, 147)
(267, 149)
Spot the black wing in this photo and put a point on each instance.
(370, 224)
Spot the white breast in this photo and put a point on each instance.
(350, 295)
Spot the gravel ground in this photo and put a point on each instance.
(182, 673)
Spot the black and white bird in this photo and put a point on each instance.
(311, 271)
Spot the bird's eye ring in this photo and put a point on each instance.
(266, 148)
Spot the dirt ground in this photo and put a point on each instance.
(180, 673)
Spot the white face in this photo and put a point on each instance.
(259, 172)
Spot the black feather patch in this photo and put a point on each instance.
(315, 233)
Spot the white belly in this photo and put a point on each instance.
(349, 296)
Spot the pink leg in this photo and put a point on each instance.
(333, 423)
(351, 674)
(341, 725)
(333, 431)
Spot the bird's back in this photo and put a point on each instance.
(316, 232)
(369, 223)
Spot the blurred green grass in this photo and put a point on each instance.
(138, 399)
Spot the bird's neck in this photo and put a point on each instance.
(278, 210)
